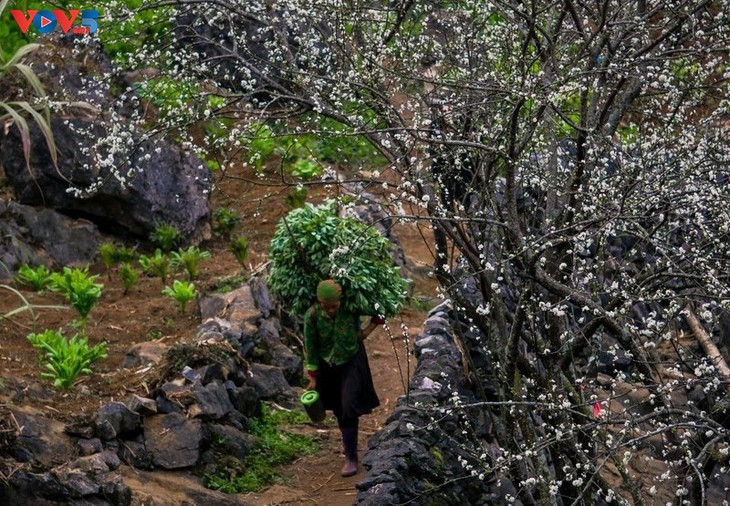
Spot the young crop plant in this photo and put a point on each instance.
(239, 248)
(80, 289)
(297, 197)
(157, 265)
(226, 220)
(108, 254)
(112, 253)
(129, 276)
(39, 278)
(181, 292)
(166, 237)
(125, 254)
(189, 260)
(65, 359)
(314, 243)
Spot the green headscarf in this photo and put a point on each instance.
(328, 290)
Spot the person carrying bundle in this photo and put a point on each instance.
(337, 364)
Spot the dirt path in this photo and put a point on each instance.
(315, 479)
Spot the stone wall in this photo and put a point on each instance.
(422, 452)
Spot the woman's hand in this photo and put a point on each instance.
(365, 332)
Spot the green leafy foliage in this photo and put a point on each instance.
(157, 265)
(79, 287)
(126, 254)
(190, 260)
(19, 81)
(182, 292)
(260, 141)
(129, 276)
(297, 197)
(126, 36)
(306, 169)
(218, 129)
(336, 143)
(39, 278)
(274, 447)
(166, 237)
(170, 96)
(327, 141)
(313, 243)
(239, 248)
(226, 220)
(112, 253)
(11, 38)
(108, 254)
(66, 358)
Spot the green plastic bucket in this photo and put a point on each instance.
(313, 405)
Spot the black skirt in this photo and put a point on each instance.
(348, 389)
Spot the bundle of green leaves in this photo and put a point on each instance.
(313, 243)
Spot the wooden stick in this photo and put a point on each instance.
(712, 352)
(323, 484)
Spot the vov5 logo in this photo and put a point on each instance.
(45, 21)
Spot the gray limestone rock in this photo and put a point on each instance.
(173, 440)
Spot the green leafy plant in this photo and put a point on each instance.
(157, 265)
(182, 292)
(108, 254)
(239, 248)
(112, 253)
(129, 276)
(274, 447)
(170, 96)
(13, 52)
(39, 278)
(190, 260)
(226, 220)
(80, 289)
(12, 38)
(314, 243)
(126, 254)
(261, 144)
(327, 141)
(297, 197)
(306, 169)
(166, 237)
(125, 37)
(153, 334)
(212, 165)
(66, 358)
